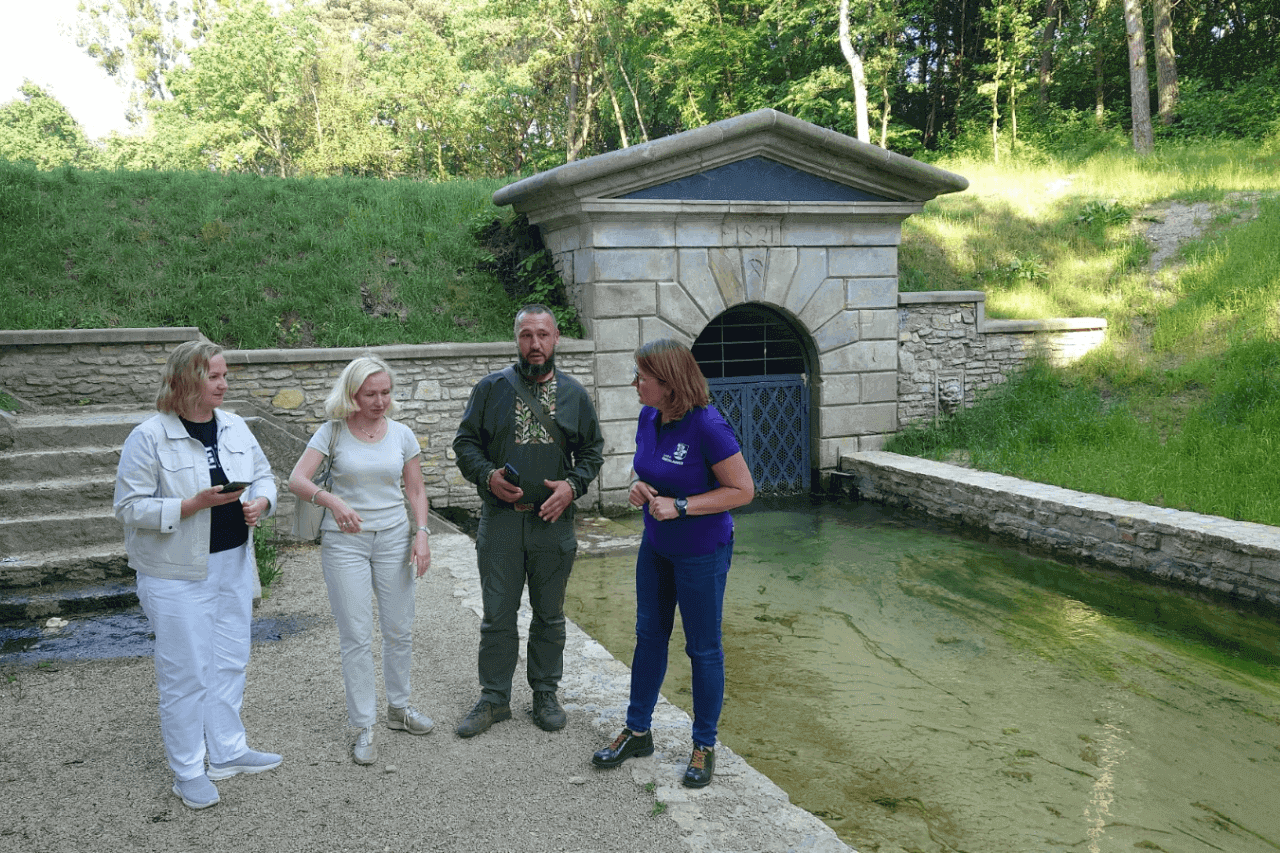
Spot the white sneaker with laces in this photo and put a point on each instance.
(365, 750)
(409, 719)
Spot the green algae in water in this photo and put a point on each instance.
(921, 691)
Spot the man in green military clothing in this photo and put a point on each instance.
(530, 441)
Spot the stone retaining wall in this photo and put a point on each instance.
(433, 382)
(1233, 558)
(948, 351)
(122, 367)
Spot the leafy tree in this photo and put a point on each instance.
(141, 42)
(243, 90)
(37, 128)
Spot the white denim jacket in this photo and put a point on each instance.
(160, 466)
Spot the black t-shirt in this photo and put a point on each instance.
(227, 528)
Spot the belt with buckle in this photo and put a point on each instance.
(530, 507)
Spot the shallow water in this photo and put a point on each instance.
(920, 691)
(118, 634)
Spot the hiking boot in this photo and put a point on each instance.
(702, 764)
(409, 719)
(547, 712)
(624, 746)
(483, 715)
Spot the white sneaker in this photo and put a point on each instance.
(364, 751)
(197, 793)
(251, 762)
(409, 719)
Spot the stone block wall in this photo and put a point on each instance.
(1236, 559)
(948, 352)
(76, 367)
(433, 381)
(645, 270)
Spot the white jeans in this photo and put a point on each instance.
(358, 566)
(202, 649)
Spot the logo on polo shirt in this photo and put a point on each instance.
(677, 458)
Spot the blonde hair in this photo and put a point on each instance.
(185, 373)
(672, 364)
(341, 401)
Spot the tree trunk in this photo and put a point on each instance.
(884, 119)
(575, 69)
(1139, 91)
(1166, 62)
(995, 92)
(856, 70)
(1046, 48)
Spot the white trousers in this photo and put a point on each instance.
(202, 649)
(358, 566)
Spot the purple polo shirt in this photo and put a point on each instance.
(676, 459)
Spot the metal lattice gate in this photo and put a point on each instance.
(771, 417)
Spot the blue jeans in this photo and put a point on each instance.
(696, 584)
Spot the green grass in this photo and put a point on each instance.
(253, 262)
(1181, 406)
(266, 551)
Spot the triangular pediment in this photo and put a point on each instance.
(754, 179)
(765, 156)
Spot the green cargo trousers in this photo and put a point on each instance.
(514, 548)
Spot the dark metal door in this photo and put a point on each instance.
(771, 417)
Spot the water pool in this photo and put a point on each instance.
(921, 691)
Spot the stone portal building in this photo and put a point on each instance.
(769, 245)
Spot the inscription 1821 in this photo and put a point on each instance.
(751, 232)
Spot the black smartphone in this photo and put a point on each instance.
(234, 487)
(512, 475)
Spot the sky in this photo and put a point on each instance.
(36, 43)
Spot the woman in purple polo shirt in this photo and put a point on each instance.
(687, 474)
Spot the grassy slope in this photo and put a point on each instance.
(253, 262)
(1180, 408)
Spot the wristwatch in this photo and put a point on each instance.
(682, 506)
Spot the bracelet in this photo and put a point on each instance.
(424, 529)
(314, 495)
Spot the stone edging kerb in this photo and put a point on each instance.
(53, 337)
(985, 326)
(1235, 558)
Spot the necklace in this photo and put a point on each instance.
(371, 433)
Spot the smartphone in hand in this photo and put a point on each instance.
(511, 474)
(236, 486)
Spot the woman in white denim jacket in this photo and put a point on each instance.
(191, 485)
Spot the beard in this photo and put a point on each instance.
(529, 370)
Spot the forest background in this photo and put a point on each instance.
(436, 89)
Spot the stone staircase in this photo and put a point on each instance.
(61, 548)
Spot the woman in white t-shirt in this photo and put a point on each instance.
(367, 547)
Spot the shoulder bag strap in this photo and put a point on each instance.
(327, 465)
